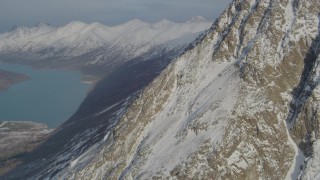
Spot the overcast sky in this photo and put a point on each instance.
(109, 12)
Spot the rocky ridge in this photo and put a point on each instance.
(221, 110)
(237, 104)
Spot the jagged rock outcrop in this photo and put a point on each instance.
(220, 110)
(225, 109)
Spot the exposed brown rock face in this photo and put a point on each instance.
(259, 50)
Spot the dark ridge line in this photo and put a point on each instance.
(227, 30)
(262, 24)
(243, 23)
(214, 26)
(301, 93)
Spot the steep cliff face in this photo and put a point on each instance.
(222, 109)
(236, 105)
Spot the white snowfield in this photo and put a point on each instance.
(77, 38)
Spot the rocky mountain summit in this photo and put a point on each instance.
(240, 103)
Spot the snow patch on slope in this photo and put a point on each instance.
(163, 132)
(297, 161)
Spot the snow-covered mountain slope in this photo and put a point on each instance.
(99, 42)
(220, 110)
(241, 103)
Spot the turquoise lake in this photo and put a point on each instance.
(50, 96)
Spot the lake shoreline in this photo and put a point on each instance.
(55, 93)
(17, 138)
(87, 76)
(8, 79)
(90, 75)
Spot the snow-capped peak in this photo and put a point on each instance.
(43, 24)
(79, 37)
(197, 19)
(74, 25)
(162, 23)
(135, 21)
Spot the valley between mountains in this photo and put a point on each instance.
(95, 50)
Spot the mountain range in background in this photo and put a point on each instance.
(82, 46)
